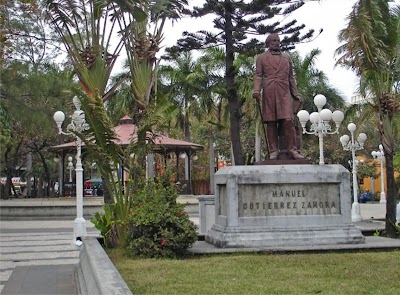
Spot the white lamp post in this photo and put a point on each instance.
(78, 124)
(398, 213)
(354, 145)
(380, 155)
(60, 175)
(320, 122)
(70, 168)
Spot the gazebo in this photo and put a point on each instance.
(125, 132)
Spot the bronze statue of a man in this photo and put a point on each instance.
(274, 76)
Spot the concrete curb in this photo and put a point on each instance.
(95, 273)
(47, 212)
(65, 208)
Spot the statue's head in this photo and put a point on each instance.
(273, 37)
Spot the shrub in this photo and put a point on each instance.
(157, 225)
(111, 226)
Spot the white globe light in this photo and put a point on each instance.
(344, 139)
(362, 137)
(337, 116)
(314, 117)
(351, 127)
(326, 115)
(59, 117)
(319, 100)
(303, 116)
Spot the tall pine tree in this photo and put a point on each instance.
(234, 23)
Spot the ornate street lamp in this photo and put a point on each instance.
(77, 125)
(350, 144)
(320, 125)
(380, 155)
(70, 168)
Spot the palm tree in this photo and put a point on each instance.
(311, 81)
(196, 87)
(212, 111)
(86, 30)
(178, 80)
(371, 48)
(141, 45)
(87, 27)
(179, 83)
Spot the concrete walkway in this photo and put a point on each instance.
(38, 257)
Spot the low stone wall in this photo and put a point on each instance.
(95, 273)
(65, 208)
(48, 212)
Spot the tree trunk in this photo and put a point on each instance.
(187, 138)
(7, 187)
(212, 158)
(28, 175)
(388, 148)
(40, 187)
(106, 192)
(10, 163)
(390, 220)
(46, 192)
(234, 104)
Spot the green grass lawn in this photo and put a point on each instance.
(243, 273)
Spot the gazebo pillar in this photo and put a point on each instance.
(189, 174)
(177, 164)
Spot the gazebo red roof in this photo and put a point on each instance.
(126, 131)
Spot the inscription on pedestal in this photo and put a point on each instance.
(288, 199)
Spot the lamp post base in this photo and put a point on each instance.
(355, 212)
(383, 198)
(79, 228)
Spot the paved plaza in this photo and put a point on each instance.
(38, 257)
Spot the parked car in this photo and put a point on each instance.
(93, 187)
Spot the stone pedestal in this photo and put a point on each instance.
(282, 205)
(206, 213)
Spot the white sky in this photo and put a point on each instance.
(327, 14)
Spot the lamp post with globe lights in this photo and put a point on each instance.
(78, 125)
(353, 145)
(70, 168)
(380, 155)
(60, 174)
(320, 125)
